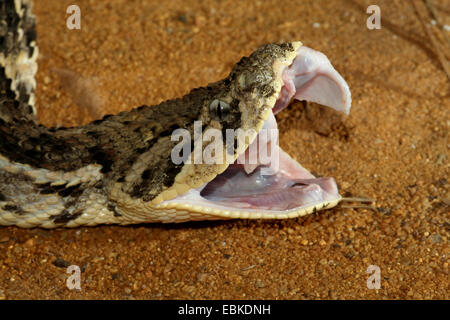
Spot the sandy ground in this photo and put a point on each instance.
(393, 147)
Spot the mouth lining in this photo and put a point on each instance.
(289, 187)
(272, 187)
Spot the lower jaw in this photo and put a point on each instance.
(289, 192)
(284, 187)
(191, 206)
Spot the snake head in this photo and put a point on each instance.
(258, 87)
(267, 81)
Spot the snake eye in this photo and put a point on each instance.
(219, 108)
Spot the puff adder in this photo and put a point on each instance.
(120, 170)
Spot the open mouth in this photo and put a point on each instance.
(280, 187)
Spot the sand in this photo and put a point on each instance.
(393, 147)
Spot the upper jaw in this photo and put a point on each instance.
(311, 77)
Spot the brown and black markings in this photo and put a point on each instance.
(117, 141)
(132, 148)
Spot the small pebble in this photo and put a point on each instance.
(259, 283)
(188, 289)
(201, 277)
(345, 185)
(182, 18)
(436, 238)
(30, 243)
(61, 263)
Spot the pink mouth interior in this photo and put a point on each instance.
(310, 77)
(278, 192)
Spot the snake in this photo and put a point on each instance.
(142, 165)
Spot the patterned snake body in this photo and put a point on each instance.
(119, 169)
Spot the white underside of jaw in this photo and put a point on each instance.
(193, 201)
(310, 77)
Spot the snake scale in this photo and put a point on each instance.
(120, 169)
